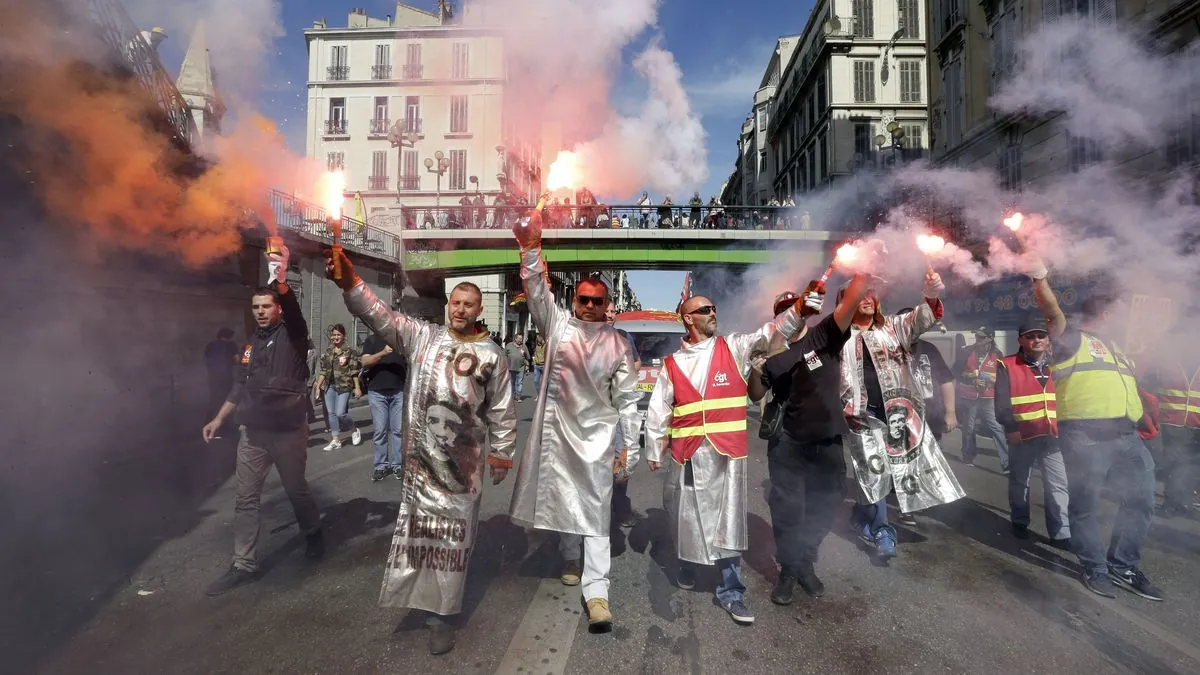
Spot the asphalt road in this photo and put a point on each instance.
(120, 589)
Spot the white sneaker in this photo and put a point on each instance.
(356, 437)
(335, 444)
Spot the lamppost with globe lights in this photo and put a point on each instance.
(897, 137)
(439, 167)
(401, 136)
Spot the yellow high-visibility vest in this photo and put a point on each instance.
(1096, 383)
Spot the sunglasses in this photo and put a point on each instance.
(705, 310)
(591, 300)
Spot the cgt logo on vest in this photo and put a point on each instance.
(720, 380)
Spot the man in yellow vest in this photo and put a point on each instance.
(1098, 408)
(1176, 382)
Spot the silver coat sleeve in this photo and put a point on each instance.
(625, 397)
(565, 478)
(658, 419)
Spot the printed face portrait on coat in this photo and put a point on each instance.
(903, 425)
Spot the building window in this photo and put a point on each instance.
(458, 114)
(1010, 166)
(910, 81)
(914, 142)
(910, 19)
(379, 123)
(412, 64)
(1084, 151)
(382, 70)
(862, 140)
(812, 168)
(379, 178)
(762, 119)
(458, 169)
(412, 114)
(339, 63)
(952, 102)
(461, 67)
(1101, 11)
(864, 81)
(864, 18)
(823, 166)
(822, 96)
(410, 176)
(335, 161)
(335, 124)
(1004, 46)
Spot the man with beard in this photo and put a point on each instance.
(460, 416)
(698, 413)
(565, 481)
(1098, 407)
(877, 382)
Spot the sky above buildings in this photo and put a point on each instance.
(722, 48)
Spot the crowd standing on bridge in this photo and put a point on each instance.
(857, 382)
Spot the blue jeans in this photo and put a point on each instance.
(1090, 462)
(387, 415)
(337, 406)
(1043, 451)
(875, 515)
(981, 409)
(731, 587)
(518, 382)
(537, 379)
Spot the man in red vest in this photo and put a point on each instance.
(697, 414)
(1177, 387)
(1025, 405)
(976, 370)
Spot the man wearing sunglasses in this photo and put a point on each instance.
(1026, 407)
(697, 418)
(565, 480)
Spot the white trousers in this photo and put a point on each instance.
(597, 558)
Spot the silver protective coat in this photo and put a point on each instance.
(589, 386)
(707, 518)
(898, 450)
(458, 416)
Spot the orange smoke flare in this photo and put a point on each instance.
(1014, 221)
(333, 189)
(565, 173)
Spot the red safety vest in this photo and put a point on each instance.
(1179, 397)
(718, 415)
(1032, 405)
(973, 371)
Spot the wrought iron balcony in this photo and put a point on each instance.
(338, 72)
(411, 124)
(335, 127)
(380, 126)
(377, 182)
(412, 71)
(409, 183)
(381, 71)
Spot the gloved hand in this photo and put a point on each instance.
(813, 299)
(933, 285)
(349, 278)
(277, 266)
(529, 235)
(1034, 267)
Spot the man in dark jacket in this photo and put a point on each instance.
(269, 398)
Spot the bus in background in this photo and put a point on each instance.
(657, 334)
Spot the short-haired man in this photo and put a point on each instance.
(1026, 405)
(565, 481)
(460, 417)
(269, 400)
(1098, 408)
(976, 371)
(696, 425)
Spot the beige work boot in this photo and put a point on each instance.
(570, 573)
(599, 617)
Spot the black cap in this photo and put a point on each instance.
(984, 330)
(1032, 325)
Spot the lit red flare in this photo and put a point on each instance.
(565, 173)
(930, 243)
(1014, 221)
(333, 190)
(846, 254)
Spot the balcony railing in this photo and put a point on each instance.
(335, 127)
(377, 182)
(312, 221)
(412, 124)
(409, 183)
(412, 71)
(338, 72)
(381, 71)
(380, 126)
(848, 29)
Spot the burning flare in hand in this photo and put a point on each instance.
(333, 189)
(930, 244)
(565, 173)
(1014, 221)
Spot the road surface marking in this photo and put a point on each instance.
(543, 641)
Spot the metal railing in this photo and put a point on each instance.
(335, 127)
(380, 126)
(338, 72)
(411, 124)
(381, 71)
(412, 71)
(312, 221)
(377, 182)
(410, 182)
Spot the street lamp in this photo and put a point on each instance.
(400, 137)
(897, 137)
(438, 168)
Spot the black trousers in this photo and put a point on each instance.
(807, 486)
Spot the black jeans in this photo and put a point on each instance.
(807, 486)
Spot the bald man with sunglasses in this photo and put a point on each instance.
(589, 387)
(696, 425)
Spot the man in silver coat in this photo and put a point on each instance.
(458, 416)
(565, 480)
(889, 441)
(705, 493)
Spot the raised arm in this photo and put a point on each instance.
(1056, 320)
(399, 330)
(658, 419)
(772, 336)
(502, 424)
(913, 325)
(546, 315)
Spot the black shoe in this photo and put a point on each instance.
(628, 520)
(380, 474)
(811, 583)
(233, 577)
(441, 637)
(1020, 531)
(784, 591)
(1098, 583)
(1061, 544)
(397, 473)
(314, 545)
(906, 519)
(1135, 582)
(686, 578)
